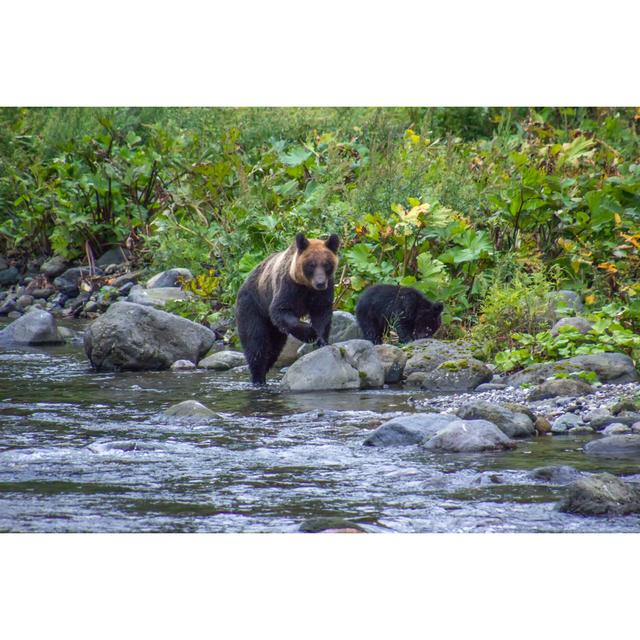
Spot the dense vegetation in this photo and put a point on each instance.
(486, 209)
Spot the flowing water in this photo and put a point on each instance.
(87, 451)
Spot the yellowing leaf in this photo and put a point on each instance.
(590, 299)
(618, 219)
(607, 266)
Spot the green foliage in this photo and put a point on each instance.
(608, 333)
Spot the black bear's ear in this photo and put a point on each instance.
(301, 242)
(438, 307)
(332, 243)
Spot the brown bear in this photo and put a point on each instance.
(281, 290)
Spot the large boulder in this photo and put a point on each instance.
(170, 278)
(621, 446)
(346, 365)
(35, 327)
(560, 387)
(452, 375)
(511, 423)
(427, 354)
(222, 361)
(344, 327)
(135, 337)
(393, 361)
(157, 297)
(407, 430)
(614, 368)
(471, 436)
(600, 494)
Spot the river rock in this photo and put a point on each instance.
(330, 525)
(462, 436)
(171, 278)
(601, 423)
(345, 365)
(189, 409)
(600, 494)
(181, 365)
(134, 337)
(68, 283)
(131, 277)
(289, 353)
(393, 361)
(223, 361)
(34, 327)
(9, 277)
(623, 446)
(563, 423)
(616, 429)
(452, 375)
(581, 430)
(344, 327)
(408, 430)
(614, 368)
(490, 386)
(156, 297)
(24, 301)
(560, 387)
(513, 425)
(43, 293)
(7, 306)
(53, 267)
(117, 255)
(555, 474)
(426, 354)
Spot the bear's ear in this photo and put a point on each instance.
(301, 242)
(332, 243)
(438, 307)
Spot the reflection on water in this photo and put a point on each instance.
(82, 451)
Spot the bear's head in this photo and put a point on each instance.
(315, 261)
(428, 319)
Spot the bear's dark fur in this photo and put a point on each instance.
(411, 313)
(281, 290)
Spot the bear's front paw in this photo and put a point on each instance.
(308, 334)
(321, 342)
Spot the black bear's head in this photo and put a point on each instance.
(428, 319)
(315, 261)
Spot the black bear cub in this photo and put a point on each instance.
(281, 290)
(412, 314)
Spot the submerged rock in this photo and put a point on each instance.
(330, 525)
(408, 430)
(555, 474)
(512, 424)
(560, 387)
(600, 494)
(222, 361)
(34, 327)
(619, 446)
(461, 436)
(134, 337)
(189, 409)
(345, 365)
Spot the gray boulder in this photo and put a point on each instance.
(53, 267)
(600, 494)
(614, 368)
(579, 324)
(600, 422)
(134, 337)
(9, 276)
(452, 375)
(222, 361)
(34, 327)
(68, 282)
(407, 430)
(462, 436)
(346, 365)
(427, 354)
(616, 429)
(289, 353)
(157, 297)
(560, 387)
(344, 327)
(621, 446)
(181, 365)
(170, 278)
(117, 255)
(393, 361)
(189, 409)
(512, 424)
